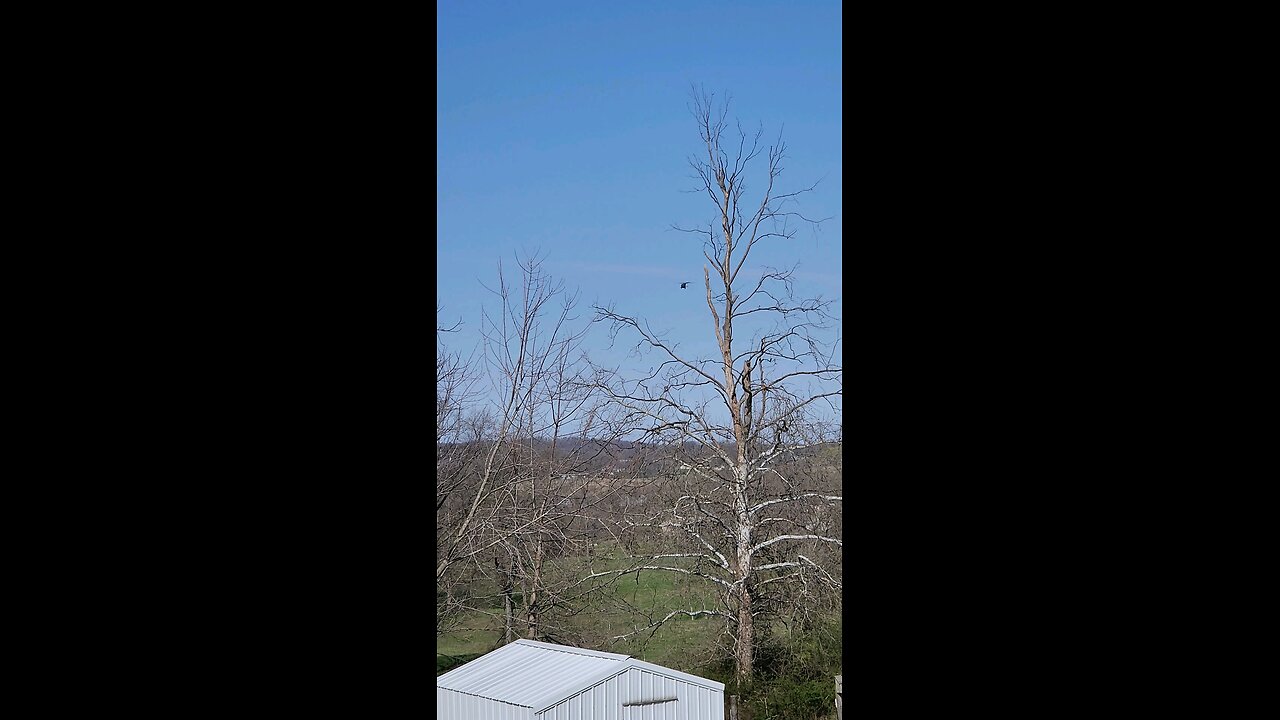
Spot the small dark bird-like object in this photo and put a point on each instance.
(684, 285)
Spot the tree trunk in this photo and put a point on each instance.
(746, 636)
(531, 615)
(745, 646)
(508, 631)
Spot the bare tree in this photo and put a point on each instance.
(461, 432)
(455, 390)
(536, 360)
(742, 419)
(520, 498)
(516, 356)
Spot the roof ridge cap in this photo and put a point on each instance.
(585, 652)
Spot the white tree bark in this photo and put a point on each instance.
(782, 371)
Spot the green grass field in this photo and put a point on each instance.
(655, 592)
(803, 690)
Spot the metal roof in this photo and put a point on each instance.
(525, 672)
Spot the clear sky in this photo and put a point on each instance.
(563, 127)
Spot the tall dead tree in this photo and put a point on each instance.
(746, 515)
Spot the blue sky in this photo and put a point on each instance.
(563, 127)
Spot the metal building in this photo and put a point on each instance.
(528, 680)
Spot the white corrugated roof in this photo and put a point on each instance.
(525, 672)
